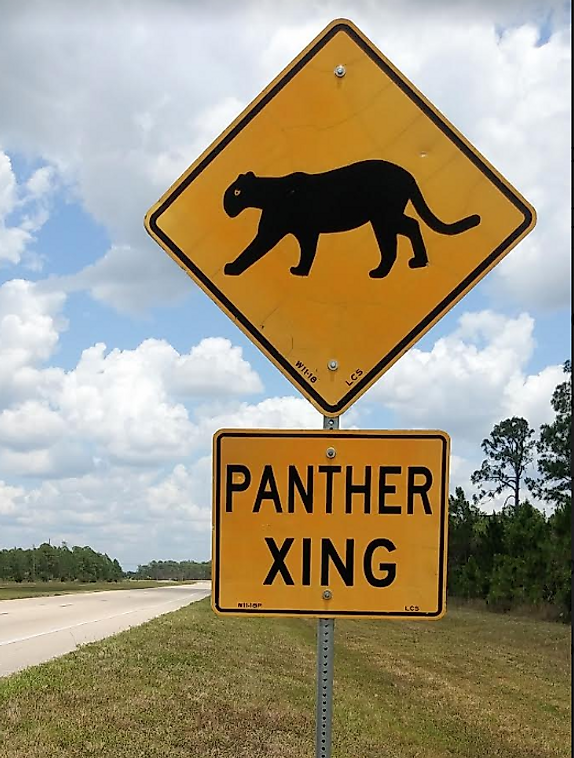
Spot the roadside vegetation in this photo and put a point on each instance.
(50, 562)
(56, 570)
(518, 558)
(178, 570)
(473, 685)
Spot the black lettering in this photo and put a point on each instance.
(419, 489)
(299, 364)
(232, 486)
(306, 562)
(305, 491)
(390, 568)
(267, 480)
(354, 376)
(279, 554)
(387, 489)
(329, 472)
(352, 488)
(346, 569)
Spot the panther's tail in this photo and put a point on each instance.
(457, 227)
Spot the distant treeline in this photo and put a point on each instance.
(48, 562)
(51, 563)
(518, 557)
(177, 570)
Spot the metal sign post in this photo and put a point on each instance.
(325, 640)
(325, 658)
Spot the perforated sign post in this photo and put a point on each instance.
(336, 220)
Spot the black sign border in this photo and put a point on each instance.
(256, 335)
(326, 435)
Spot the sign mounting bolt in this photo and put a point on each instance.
(327, 595)
(340, 71)
(331, 452)
(333, 365)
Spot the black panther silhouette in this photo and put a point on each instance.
(307, 205)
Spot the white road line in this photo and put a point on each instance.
(83, 623)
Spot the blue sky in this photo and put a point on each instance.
(101, 113)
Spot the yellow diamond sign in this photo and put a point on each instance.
(338, 218)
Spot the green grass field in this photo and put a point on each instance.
(192, 684)
(15, 590)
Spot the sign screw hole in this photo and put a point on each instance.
(340, 71)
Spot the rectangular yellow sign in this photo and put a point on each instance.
(330, 523)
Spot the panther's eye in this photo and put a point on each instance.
(236, 192)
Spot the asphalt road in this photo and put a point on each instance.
(34, 630)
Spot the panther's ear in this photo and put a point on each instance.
(250, 175)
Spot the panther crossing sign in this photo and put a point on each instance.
(338, 218)
(330, 524)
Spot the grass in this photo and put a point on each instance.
(192, 684)
(16, 590)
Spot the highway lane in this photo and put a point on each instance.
(34, 630)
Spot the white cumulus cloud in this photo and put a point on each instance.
(121, 406)
(23, 212)
(470, 379)
(30, 324)
(8, 498)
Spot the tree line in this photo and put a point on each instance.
(58, 563)
(61, 563)
(176, 570)
(518, 556)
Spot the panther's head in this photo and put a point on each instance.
(236, 197)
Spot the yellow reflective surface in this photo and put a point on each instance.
(360, 515)
(309, 120)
